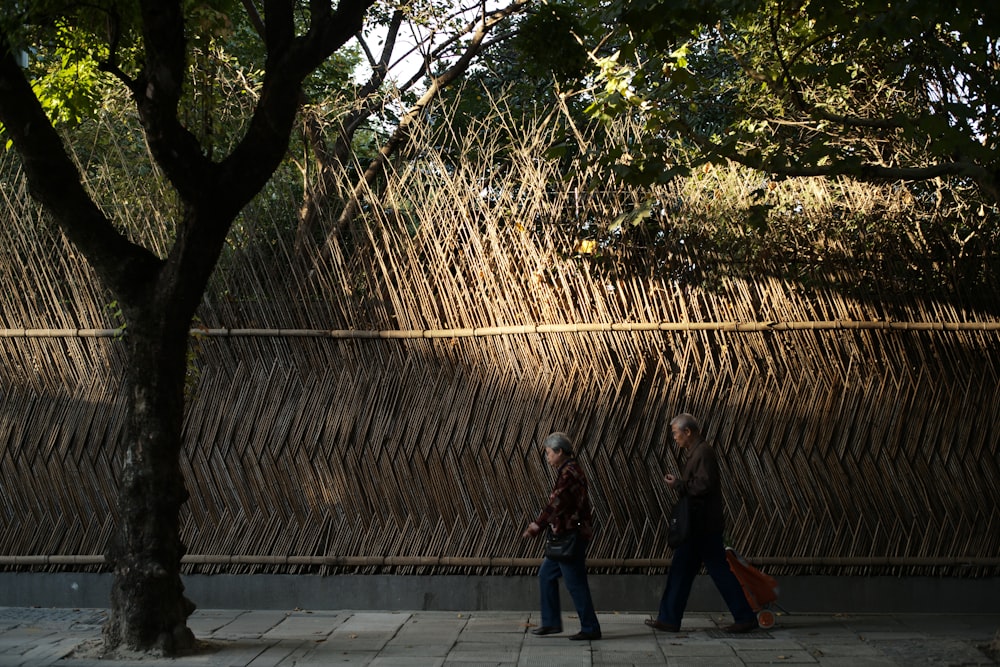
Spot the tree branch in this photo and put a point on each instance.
(254, 159)
(987, 179)
(157, 94)
(55, 182)
(401, 134)
(255, 18)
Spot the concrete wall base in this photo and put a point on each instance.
(803, 594)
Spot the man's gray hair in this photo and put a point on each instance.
(686, 421)
(559, 442)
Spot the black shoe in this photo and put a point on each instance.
(546, 630)
(661, 626)
(740, 628)
(586, 636)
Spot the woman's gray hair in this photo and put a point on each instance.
(686, 421)
(559, 442)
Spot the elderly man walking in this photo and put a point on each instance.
(700, 482)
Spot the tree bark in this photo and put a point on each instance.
(148, 608)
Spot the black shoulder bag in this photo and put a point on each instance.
(562, 546)
(679, 529)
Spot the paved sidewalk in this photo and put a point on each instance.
(236, 638)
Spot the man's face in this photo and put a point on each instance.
(682, 436)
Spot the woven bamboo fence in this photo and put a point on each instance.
(380, 409)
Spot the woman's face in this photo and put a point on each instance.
(554, 456)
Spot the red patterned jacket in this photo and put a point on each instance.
(569, 502)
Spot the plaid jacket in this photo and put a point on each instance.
(569, 502)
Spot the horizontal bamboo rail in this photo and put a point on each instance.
(460, 561)
(525, 329)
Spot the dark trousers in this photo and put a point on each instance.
(574, 573)
(688, 558)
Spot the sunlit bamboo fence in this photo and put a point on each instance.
(379, 409)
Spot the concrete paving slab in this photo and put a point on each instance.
(337, 660)
(426, 643)
(324, 654)
(300, 638)
(237, 653)
(374, 622)
(252, 623)
(490, 652)
(626, 658)
(963, 626)
(498, 622)
(697, 650)
(623, 618)
(32, 653)
(855, 662)
(813, 622)
(731, 661)
(502, 638)
(277, 654)
(555, 650)
(383, 660)
(775, 656)
(564, 660)
(940, 652)
(358, 645)
(692, 623)
(434, 622)
(613, 642)
(305, 625)
(528, 660)
(883, 635)
(826, 649)
(205, 623)
(425, 651)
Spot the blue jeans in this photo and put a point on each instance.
(710, 550)
(575, 575)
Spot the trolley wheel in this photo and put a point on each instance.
(766, 618)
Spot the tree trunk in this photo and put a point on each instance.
(148, 608)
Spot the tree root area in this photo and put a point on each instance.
(96, 649)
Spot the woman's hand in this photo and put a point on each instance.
(670, 480)
(531, 530)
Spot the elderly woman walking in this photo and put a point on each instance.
(568, 509)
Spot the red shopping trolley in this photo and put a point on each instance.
(761, 590)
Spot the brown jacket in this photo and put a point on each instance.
(700, 481)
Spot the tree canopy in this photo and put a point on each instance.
(872, 90)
